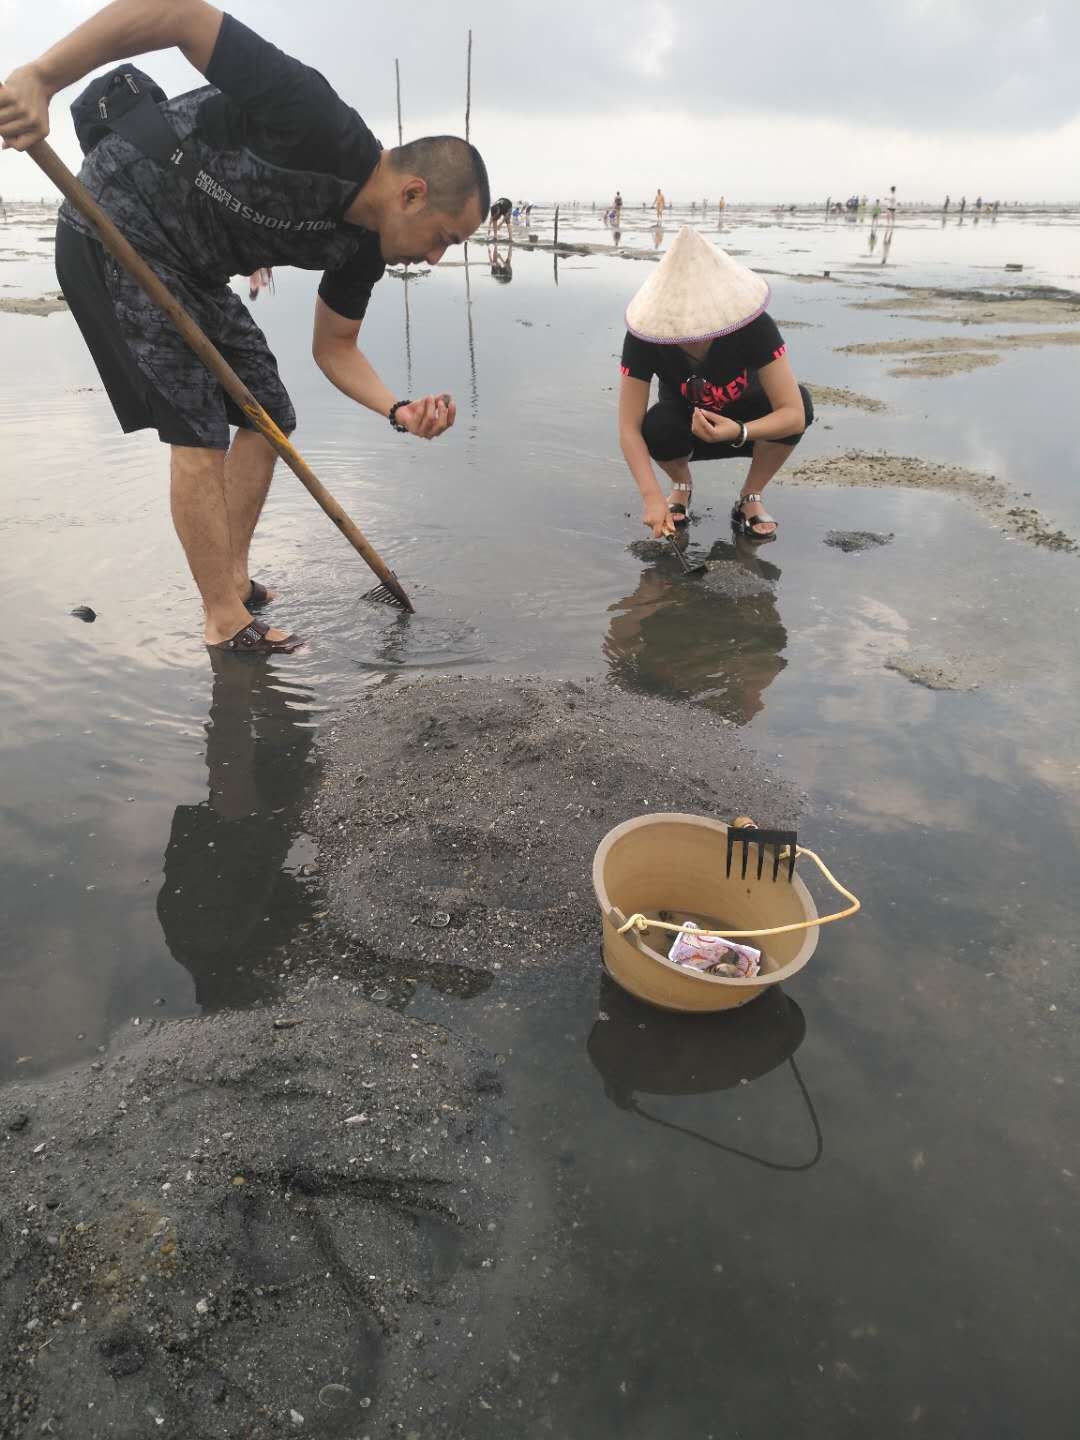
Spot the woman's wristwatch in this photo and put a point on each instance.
(392, 417)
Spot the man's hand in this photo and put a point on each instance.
(714, 429)
(657, 516)
(24, 108)
(428, 417)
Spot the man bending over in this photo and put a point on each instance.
(292, 176)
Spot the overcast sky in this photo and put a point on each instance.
(782, 101)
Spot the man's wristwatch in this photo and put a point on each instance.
(392, 417)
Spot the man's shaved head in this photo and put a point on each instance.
(452, 169)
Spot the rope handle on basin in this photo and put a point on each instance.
(640, 923)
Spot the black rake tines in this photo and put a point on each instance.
(784, 844)
(689, 568)
(390, 593)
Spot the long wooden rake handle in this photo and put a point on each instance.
(69, 185)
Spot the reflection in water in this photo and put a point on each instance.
(640, 1050)
(657, 237)
(502, 271)
(408, 340)
(392, 647)
(474, 394)
(229, 895)
(682, 637)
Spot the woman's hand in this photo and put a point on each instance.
(24, 108)
(714, 429)
(655, 513)
(428, 417)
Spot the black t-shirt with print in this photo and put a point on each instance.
(727, 371)
(283, 158)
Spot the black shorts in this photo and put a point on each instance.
(667, 433)
(502, 209)
(152, 378)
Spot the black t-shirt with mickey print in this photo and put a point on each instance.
(729, 369)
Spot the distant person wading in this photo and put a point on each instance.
(294, 177)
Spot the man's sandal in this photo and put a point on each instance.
(680, 511)
(748, 525)
(252, 640)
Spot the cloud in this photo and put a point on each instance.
(916, 65)
(649, 53)
(575, 98)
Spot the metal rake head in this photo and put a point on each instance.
(390, 593)
(784, 844)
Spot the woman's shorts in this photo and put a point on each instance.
(152, 378)
(667, 433)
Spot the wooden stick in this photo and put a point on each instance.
(69, 185)
(468, 88)
(397, 75)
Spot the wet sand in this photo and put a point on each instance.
(929, 367)
(498, 795)
(853, 542)
(945, 344)
(40, 305)
(731, 579)
(951, 355)
(836, 395)
(937, 673)
(994, 499)
(231, 1223)
(292, 1211)
(980, 307)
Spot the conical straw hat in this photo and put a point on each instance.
(697, 292)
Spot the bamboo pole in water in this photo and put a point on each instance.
(397, 77)
(468, 87)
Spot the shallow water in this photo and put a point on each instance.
(916, 1274)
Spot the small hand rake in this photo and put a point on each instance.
(744, 833)
(689, 568)
(389, 592)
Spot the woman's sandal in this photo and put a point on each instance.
(678, 509)
(257, 596)
(748, 524)
(252, 640)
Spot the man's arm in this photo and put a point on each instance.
(125, 28)
(345, 365)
